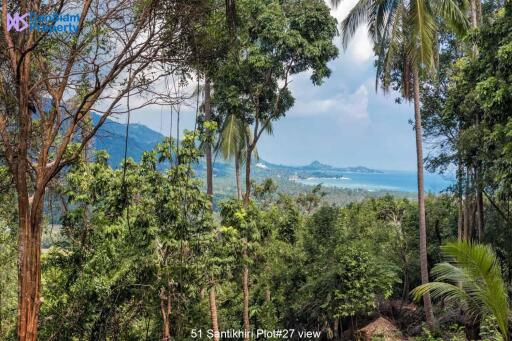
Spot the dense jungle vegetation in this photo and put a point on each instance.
(144, 251)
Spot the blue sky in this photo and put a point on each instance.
(343, 122)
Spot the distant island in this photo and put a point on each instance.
(318, 168)
(111, 138)
(344, 184)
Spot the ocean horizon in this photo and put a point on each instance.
(401, 181)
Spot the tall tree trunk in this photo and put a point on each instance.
(30, 216)
(474, 13)
(481, 214)
(427, 303)
(237, 175)
(247, 196)
(29, 275)
(208, 147)
(479, 205)
(460, 199)
(467, 211)
(474, 21)
(479, 11)
(209, 190)
(467, 218)
(460, 220)
(213, 313)
(245, 284)
(165, 310)
(336, 328)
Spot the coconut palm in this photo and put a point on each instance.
(232, 144)
(472, 280)
(405, 40)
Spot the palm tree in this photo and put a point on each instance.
(472, 280)
(207, 107)
(404, 35)
(232, 144)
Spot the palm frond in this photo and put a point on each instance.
(421, 43)
(453, 13)
(380, 11)
(439, 290)
(231, 137)
(471, 279)
(357, 16)
(390, 44)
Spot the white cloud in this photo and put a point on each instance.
(343, 8)
(346, 108)
(360, 49)
(355, 106)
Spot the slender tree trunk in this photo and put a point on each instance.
(209, 190)
(474, 13)
(245, 284)
(481, 213)
(474, 21)
(467, 218)
(237, 175)
(208, 147)
(474, 227)
(247, 196)
(427, 304)
(165, 309)
(479, 11)
(467, 210)
(213, 312)
(479, 201)
(336, 329)
(479, 206)
(460, 200)
(460, 220)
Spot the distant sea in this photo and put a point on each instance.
(402, 181)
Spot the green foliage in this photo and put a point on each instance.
(135, 238)
(453, 333)
(471, 280)
(482, 87)
(129, 238)
(404, 34)
(346, 273)
(359, 281)
(489, 330)
(277, 40)
(310, 200)
(8, 257)
(467, 113)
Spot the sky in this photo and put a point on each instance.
(344, 122)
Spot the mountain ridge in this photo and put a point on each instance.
(111, 137)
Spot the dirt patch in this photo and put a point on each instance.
(380, 329)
